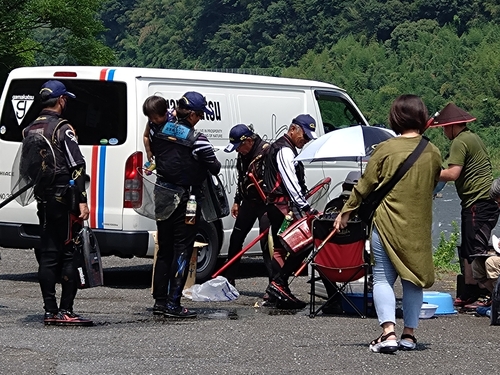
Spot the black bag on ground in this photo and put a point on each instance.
(87, 259)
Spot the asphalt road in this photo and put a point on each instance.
(226, 338)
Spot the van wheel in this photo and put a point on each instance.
(207, 255)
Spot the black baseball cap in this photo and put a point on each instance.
(56, 89)
(238, 134)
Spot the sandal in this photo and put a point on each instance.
(406, 344)
(382, 345)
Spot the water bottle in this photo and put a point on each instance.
(191, 210)
(149, 168)
(286, 222)
(74, 205)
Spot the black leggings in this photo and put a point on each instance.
(175, 246)
(56, 254)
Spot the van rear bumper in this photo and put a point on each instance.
(111, 242)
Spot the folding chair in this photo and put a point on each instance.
(339, 262)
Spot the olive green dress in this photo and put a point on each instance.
(404, 217)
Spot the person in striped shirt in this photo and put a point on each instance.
(284, 181)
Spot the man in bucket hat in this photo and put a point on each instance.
(469, 166)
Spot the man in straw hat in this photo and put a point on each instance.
(469, 166)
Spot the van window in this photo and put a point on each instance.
(98, 114)
(336, 111)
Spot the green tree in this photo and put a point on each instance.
(48, 31)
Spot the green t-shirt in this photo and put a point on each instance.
(474, 182)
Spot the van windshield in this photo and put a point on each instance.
(336, 111)
(98, 114)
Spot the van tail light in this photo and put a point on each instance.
(65, 74)
(132, 194)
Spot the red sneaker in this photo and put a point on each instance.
(459, 302)
(69, 318)
(485, 302)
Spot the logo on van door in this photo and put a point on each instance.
(22, 104)
(213, 106)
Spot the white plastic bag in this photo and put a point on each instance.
(214, 290)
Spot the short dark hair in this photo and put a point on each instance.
(408, 112)
(495, 189)
(155, 105)
(49, 103)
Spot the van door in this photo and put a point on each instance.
(336, 110)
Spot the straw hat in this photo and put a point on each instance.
(451, 115)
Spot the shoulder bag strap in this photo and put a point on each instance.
(410, 160)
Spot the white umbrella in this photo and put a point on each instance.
(345, 144)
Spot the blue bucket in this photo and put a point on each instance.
(443, 300)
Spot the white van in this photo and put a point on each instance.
(107, 115)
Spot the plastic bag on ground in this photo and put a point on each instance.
(214, 290)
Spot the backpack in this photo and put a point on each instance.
(256, 167)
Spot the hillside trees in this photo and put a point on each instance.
(39, 31)
(231, 34)
(420, 58)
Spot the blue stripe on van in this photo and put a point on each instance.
(100, 187)
(111, 74)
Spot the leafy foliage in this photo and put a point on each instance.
(445, 255)
(442, 50)
(50, 31)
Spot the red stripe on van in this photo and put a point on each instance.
(102, 76)
(93, 187)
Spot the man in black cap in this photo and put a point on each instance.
(184, 158)
(469, 166)
(248, 204)
(284, 180)
(57, 227)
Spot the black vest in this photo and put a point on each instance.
(274, 187)
(173, 150)
(48, 123)
(252, 163)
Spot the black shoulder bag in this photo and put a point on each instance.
(368, 206)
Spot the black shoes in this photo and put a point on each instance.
(159, 308)
(284, 297)
(66, 318)
(178, 312)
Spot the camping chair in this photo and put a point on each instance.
(339, 262)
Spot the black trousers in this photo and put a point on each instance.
(478, 221)
(249, 211)
(175, 247)
(56, 254)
